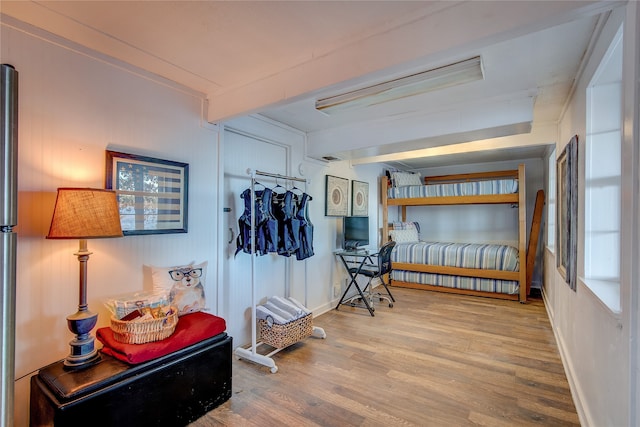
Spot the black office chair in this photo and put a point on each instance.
(372, 271)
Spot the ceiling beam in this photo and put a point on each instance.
(422, 130)
(541, 135)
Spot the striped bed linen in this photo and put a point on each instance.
(465, 255)
(459, 282)
(475, 188)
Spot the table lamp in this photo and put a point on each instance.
(84, 213)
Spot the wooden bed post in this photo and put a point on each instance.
(385, 209)
(522, 232)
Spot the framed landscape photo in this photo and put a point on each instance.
(359, 198)
(152, 193)
(336, 199)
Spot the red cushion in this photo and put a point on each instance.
(191, 329)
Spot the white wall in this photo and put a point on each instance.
(72, 107)
(595, 342)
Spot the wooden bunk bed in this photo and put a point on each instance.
(525, 255)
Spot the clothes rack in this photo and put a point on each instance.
(251, 353)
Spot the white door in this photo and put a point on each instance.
(242, 152)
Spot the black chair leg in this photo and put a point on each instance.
(387, 289)
(361, 296)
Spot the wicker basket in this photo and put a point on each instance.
(280, 336)
(144, 331)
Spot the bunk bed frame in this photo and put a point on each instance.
(526, 257)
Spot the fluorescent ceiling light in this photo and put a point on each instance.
(454, 74)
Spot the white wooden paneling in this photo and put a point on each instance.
(242, 152)
(71, 108)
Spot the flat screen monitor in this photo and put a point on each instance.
(356, 231)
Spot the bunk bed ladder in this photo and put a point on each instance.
(534, 235)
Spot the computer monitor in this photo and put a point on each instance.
(356, 231)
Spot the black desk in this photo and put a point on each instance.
(173, 390)
(357, 258)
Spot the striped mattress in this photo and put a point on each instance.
(475, 188)
(465, 255)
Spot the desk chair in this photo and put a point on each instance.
(372, 271)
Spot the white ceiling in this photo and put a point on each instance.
(277, 58)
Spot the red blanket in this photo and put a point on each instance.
(191, 329)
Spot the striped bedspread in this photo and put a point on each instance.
(466, 255)
(475, 188)
(458, 282)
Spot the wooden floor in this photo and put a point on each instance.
(432, 360)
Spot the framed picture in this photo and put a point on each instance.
(336, 200)
(567, 212)
(563, 215)
(152, 193)
(359, 198)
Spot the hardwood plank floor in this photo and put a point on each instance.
(432, 360)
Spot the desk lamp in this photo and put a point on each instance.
(84, 213)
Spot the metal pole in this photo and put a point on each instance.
(275, 175)
(9, 129)
(254, 293)
(8, 219)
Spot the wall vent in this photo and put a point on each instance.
(330, 158)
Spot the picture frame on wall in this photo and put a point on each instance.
(562, 234)
(337, 196)
(152, 193)
(567, 213)
(359, 198)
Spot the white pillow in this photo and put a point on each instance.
(184, 285)
(404, 236)
(406, 226)
(401, 179)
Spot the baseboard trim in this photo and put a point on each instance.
(576, 393)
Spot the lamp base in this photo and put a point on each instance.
(72, 362)
(83, 353)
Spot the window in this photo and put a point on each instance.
(551, 202)
(603, 178)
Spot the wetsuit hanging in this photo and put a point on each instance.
(265, 224)
(269, 227)
(288, 225)
(305, 250)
